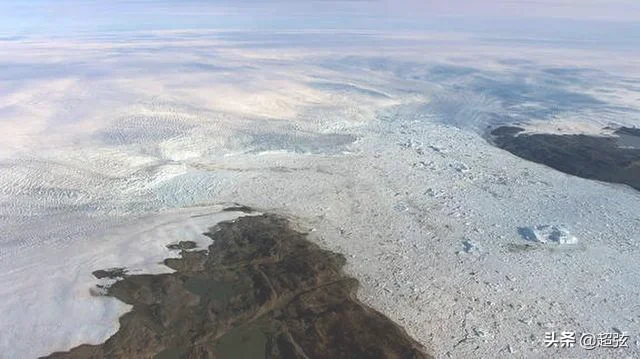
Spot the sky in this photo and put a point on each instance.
(81, 16)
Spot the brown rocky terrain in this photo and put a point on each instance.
(262, 290)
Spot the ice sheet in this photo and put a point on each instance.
(104, 162)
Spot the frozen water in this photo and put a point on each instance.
(60, 295)
(547, 233)
(114, 147)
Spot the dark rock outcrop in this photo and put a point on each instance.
(182, 245)
(608, 159)
(262, 290)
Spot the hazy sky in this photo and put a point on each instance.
(63, 16)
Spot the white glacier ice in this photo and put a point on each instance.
(104, 163)
(545, 233)
(53, 287)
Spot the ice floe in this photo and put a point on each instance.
(546, 233)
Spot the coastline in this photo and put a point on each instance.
(412, 265)
(614, 159)
(427, 213)
(261, 290)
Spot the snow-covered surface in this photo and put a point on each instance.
(51, 300)
(110, 147)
